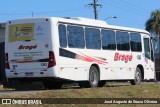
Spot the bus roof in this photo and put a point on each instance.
(98, 23)
(88, 22)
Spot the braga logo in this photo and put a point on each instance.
(27, 47)
(123, 57)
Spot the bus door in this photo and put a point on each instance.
(148, 66)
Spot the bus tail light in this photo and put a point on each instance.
(6, 62)
(52, 60)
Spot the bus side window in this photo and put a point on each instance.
(93, 40)
(75, 37)
(108, 40)
(122, 39)
(135, 41)
(62, 35)
(147, 48)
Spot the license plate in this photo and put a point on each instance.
(29, 74)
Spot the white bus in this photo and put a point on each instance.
(82, 50)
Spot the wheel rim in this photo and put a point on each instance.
(93, 77)
(138, 77)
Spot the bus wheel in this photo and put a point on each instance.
(52, 85)
(102, 83)
(93, 77)
(137, 78)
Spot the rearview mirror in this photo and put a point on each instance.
(155, 45)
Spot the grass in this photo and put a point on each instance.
(146, 90)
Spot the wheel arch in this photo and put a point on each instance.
(142, 70)
(98, 68)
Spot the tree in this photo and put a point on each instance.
(153, 26)
(153, 23)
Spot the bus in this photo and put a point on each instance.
(87, 51)
(2, 53)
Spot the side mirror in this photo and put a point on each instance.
(155, 45)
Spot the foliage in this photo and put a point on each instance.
(153, 23)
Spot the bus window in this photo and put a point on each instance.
(152, 56)
(62, 35)
(135, 40)
(147, 48)
(75, 37)
(108, 40)
(122, 39)
(93, 40)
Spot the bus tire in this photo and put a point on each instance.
(52, 85)
(102, 83)
(137, 78)
(93, 77)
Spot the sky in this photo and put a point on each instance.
(129, 13)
